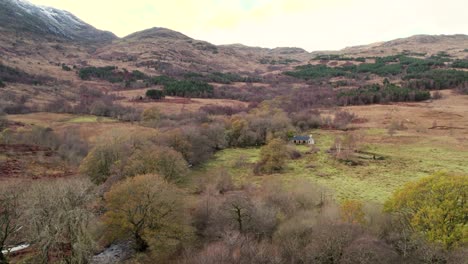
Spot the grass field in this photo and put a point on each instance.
(414, 152)
(375, 181)
(49, 119)
(173, 104)
(91, 128)
(89, 119)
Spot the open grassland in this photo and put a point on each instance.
(91, 128)
(433, 137)
(51, 119)
(90, 119)
(375, 180)
(449, 113)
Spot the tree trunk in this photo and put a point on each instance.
(239, 219)
(141, 244)
(3, 259)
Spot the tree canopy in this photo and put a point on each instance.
(273, 156)
(147, 209)
(435, 206)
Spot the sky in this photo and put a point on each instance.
(308, 24)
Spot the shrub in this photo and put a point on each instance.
(294, 154)
(463, 90)
(306, 120)
(460, 64)
(72, 148)
(155, 94)
(222, 110)
(352, 212)
(437, 95)
(100, 161)
(66, 68)
(392, 128)
(164, 161)
(2, 84)
(273, 157)
(247, 250)
(3, 122)
(342, 119)
(151, 115)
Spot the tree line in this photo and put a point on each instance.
(376, 94)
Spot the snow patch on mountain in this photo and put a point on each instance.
(58, 22)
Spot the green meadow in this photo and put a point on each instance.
(373, 181)
(89, 119)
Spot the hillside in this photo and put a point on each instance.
(165, 50)
(22, 17)
(39, 40)
(419, 45)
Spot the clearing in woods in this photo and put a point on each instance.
(433, 137)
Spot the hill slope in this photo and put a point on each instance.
(20, 16)
(167, 50)
(53, 45)
(454, 45)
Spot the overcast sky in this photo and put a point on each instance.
(309, 24)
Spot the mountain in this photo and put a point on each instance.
(40, 40)
(158, 32)
(20, 16)
(166, 51)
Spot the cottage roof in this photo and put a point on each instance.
(301, 138)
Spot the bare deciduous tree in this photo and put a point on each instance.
(59, 220)
(10, 213)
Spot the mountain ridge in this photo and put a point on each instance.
(161, 50)
(422, 43)
(21, 16)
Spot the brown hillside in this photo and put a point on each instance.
(454, 45)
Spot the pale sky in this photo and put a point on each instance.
(309, 24)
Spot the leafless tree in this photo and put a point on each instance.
(60, 220)
(10, 213)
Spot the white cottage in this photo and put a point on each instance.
(302, 140)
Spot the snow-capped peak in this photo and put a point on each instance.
(58, 22)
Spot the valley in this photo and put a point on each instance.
(160, 148)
